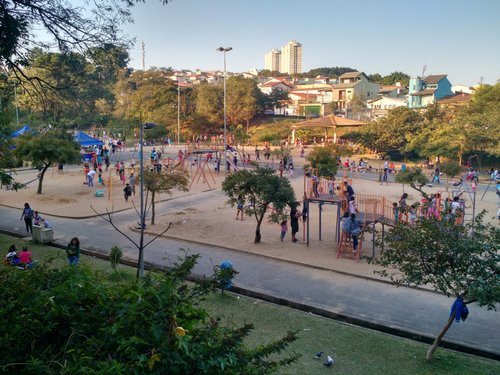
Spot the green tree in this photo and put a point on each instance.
(394, 77)
(455, 260)
(415, 178)
(335, 71)
(64, 26)
(43, 150)
(278, 99)
(389, 135)
(260, 189)
(376, 78)
(210, 102)
(147, 96)
(75, 321)
(451, 168)
(325, 159)
(242, 96)
(164, 182)
(69, 90)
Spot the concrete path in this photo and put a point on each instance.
(405, 309)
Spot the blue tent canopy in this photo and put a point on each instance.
(21, 131)
(86, 140)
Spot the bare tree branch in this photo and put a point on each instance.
(159, 235)
(110, 220)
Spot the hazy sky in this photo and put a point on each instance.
(457, 37)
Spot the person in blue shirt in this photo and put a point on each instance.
(355, 230)
(28, 215)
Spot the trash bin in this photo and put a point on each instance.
(42, 235)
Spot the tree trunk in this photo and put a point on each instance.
(152, 208)
(40, 179)
(257, 234)
(438, 339)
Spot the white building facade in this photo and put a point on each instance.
(273, 60)
(291, 58)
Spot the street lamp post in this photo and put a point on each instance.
(178, 112)
(224, 50)
(140, 266)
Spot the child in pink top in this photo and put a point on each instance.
(284, 228)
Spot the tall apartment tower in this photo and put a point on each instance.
(273, 60)
(291, 58)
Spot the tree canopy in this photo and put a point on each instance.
(325, 159)
(77, 321)
(44, 150)
(259, 189)
(456, 260)
(164, 182)
(66, 27)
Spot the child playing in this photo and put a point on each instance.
(331, 186)
(239, 209)
(413, 214)
(284, 228)
(127, 192)
(395, 210)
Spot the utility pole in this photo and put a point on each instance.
(178, 112)
(224, 50)
(143, 56)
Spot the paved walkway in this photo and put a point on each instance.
(415, 311)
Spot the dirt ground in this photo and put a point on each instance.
(213, 222)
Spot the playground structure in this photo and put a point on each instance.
(372, 210)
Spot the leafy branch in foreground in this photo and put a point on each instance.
(76, 321)
(456, 260)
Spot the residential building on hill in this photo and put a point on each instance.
(351, 85)
(463, 88)
(393, 91)
(383, 104)
(456, 100)
(423, 92)
(273, 85)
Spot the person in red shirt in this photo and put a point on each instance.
(25, 256)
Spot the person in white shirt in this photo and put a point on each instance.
(90, 177)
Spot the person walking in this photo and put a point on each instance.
(132, 183)
(27, 215)
(127, 192)
(239, 208)
(73, 251)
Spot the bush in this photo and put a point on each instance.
(115, 255)
(73, 321)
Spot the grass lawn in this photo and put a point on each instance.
(355, 350)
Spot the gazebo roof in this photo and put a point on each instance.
(329, 121)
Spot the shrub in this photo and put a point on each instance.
(73, 321)
(115, 255)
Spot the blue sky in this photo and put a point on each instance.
(457, 37)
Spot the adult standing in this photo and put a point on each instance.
(294, 221)
(27, 215)
(436, 179)
(132, 183)
(73, 251)
(90, 178)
